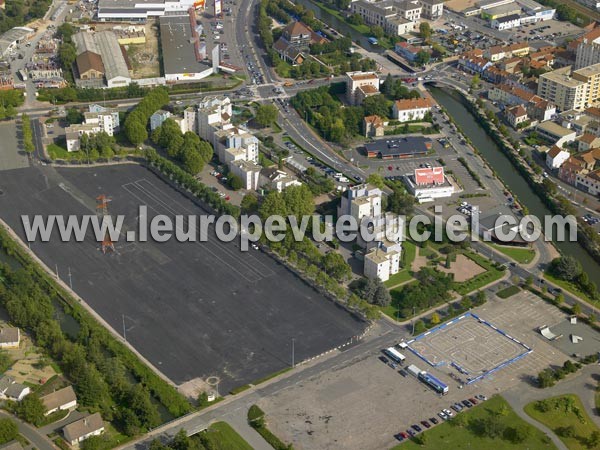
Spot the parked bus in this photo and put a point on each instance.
(433, 383)
(23, 75)
(394, 355)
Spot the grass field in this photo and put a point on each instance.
(57, 152)
(570, 287)
(409, 251)
(508, 292)
(473, 435)
(223, 437)
(566, 416)
(520, 255)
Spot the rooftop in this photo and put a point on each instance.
(361, 76)
(554, 129)
(9, 335)
(82, 427)
(105, 44)
(509, 18)
(178, 45)
(407, 146)
(413, 103)
(11, 36)
(562, 77)
(59, 398)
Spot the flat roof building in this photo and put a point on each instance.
(13, 37)
(398, 148)
(180, 43)
(561, 89)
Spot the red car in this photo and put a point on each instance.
(425, 424)
(472, 400)
(390, 168)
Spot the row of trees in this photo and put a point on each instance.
(27, 134)
(188, 148)
(137, 121)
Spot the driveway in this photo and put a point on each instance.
(34, 436)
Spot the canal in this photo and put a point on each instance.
(340, 26)
(452, 102)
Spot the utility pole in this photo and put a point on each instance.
(413, 320)
(56, 269)
(70, 280)
(124, 332)
(293, 356)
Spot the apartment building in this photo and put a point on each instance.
(563, 90)
(587, 52)
(396, 17)
(106, 118)
(591, 76)
(360, 85)
(432, 9)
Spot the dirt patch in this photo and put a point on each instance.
(460, 5)
(30, 366)
(144, 58)
(463, 268)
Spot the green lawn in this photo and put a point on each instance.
(398, 278)
(57, 152)
(569, 287)
(478, 281)
(566, 416)
(474, 436)
(508, 292)
(223, 437)
(520, 255)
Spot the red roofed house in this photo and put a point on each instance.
(516, 116)
(411, 109)
(556, 157)
(373, 126)
(294, 41)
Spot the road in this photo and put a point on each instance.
(37, 439)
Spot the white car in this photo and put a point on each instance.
(448, 412)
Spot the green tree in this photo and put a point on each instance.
(74, 116)
(376, 105)
(136, 132)
(8, 430)
(266, 115)
(566, 268)
(576, 309)
(249, 203)
(235, 182)
(299, 200)
(376, 180)
(546, 378)
(435, 318)
(192, 161)
(422, 57)
(475, 82)
(31, 409)
(420, 327)
(273, 204)
(594, 440)
(377, 31)
(425, 30)
(466, 303)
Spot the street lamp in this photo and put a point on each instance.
(293, 356)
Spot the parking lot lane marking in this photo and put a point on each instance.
(231, 266)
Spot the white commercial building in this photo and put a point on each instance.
(139, 10)
(427, 184)
(506, 23)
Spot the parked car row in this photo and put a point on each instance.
(444, 414)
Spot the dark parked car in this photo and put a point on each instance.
(416, 427)
(467, 403)
(433, 420)
(403, 372)
(425, 424)
(411, 432)
(383, 359)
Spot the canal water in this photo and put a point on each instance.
(452, 102)
(340, 26)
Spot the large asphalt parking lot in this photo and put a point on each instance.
(192, 309)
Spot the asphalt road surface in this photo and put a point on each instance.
(192, 309)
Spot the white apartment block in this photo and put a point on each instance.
(384, 261)
(561, 89)
(432, 9)
(106, 118)
(411, 109)
(396, 17)
(74, 132)
(158, 118)
(360, 85)
(588, 50)
(248, 171)
(213, 113)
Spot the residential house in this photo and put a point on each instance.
(587, 141)
(293, 44)
(373, 126)
(61, 400)
(73, 135)
(516, 115)
(407, 51)
(10, 337)
(82, 429)
(556, 157)
(11, 390)
(411, 109)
